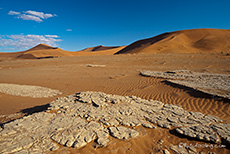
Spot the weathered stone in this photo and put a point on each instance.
(130, 121)
(26, 142)
(22, 152)
(109, 121)
(102, 142)
(148, 125)
(179, 150)
(7, 131)
(163, 124)
(173, 119)
(166, 151)
(192, 148)
(206, 133)
(98, 102)
(15, 147)
(123, 132)
(92, 65)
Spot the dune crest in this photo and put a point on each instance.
(99, 48)
(41, 46)
(184, 41)
(38, 52)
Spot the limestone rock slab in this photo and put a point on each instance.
(76, 120)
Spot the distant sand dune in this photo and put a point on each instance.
(184, 41)
(99, 50)
(42, 51)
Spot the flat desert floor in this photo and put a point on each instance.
(119, 75)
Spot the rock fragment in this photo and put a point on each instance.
(179, 150)
(212, 133)
(123, 132)
(92, 65)
(165, 151)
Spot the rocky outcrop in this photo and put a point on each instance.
(213, 84)
(28, 90)
(85, 117)
(217, 133)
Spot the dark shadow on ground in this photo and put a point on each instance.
(195, 93)
(26, 112)
(35, 109)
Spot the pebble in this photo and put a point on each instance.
(166, 151)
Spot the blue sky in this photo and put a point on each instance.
(74, 25)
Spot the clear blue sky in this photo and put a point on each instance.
(77, 24)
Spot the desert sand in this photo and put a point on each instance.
(119, 74)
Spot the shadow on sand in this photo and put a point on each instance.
(195, 93)
(26, 112)
(35, 109)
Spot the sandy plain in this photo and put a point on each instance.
(119, 76)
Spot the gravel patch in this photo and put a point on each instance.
(28, 90)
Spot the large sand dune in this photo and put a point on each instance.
(184, 41)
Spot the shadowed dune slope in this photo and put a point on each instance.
(99, 50)
(44, 51)
(184, 41)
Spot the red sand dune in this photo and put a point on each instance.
(37, 52)
(44, 51)
(184, 41)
